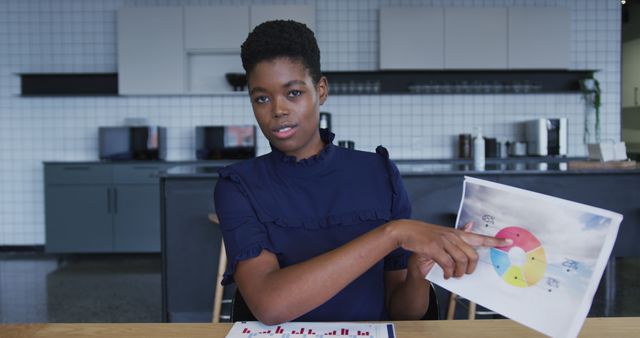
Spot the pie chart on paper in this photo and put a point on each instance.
(521, 264)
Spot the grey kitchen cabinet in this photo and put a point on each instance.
(475, 38)
(411, 38)
(301, 13)
(78, 218)
(218, 28)
(188, 50)
(191, 243)
(435, 199)
(150, 51)
(102, 208)
(136, 218)
(190, 248)
(630, 73)
(538, 38)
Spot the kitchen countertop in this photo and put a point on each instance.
(516, 166)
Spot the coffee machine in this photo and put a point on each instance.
(547, 137)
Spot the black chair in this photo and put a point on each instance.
(240, 311)
(433, 311)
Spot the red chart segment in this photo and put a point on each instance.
(522, 239)
(532, 263)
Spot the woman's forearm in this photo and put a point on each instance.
(277, 295)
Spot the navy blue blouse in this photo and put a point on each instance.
(301, 209)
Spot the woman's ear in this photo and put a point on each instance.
(323, 89)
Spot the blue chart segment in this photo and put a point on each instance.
(500, 260)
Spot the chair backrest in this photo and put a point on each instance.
(240, 311)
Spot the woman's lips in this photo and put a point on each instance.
(284, 132)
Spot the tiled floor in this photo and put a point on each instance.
(91, 288)
(35, 287)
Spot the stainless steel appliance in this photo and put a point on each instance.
(225, 142)
(547, 137)
(138, 143)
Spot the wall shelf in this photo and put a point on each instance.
(69, 84)
(350, 82)
(457, 81)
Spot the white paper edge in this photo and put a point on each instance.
(266, 327)
(605, 251)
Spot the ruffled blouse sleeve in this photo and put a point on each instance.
(244, 235)
(400, 209)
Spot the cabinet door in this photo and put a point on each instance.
(136, 218)
(78, 218)
(475, 38)
(630, 73)
(301, 13)
(539, 38)
(191, 249)
(222, 28)
(150, 50)
(411, 38)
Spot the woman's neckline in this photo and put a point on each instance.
(310, 165)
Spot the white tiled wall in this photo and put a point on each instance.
(79, 36)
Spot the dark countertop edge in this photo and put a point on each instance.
(166, 174)
(522, 172)
(177, 162)
(506, 160)
(400, 162)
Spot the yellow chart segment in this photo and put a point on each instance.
(535, 266)
(514, 277)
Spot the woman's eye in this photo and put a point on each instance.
(295, 93)
(261, 99)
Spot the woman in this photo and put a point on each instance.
(315, 232)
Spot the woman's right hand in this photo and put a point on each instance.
(452, 249)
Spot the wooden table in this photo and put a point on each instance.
(593, 327)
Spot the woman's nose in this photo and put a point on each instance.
(280, 108)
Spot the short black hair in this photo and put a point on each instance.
(282, 38)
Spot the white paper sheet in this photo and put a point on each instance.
(312, 330)
(547, 279)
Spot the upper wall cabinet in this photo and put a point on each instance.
(539, 38)
(222, 28)
(411, 38)
(630, 73)
(213, 36)
(475, 38)
(150, 52)
(188, 50)
(301, 13)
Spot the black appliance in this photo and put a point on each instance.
(225, 142)
(137, 143)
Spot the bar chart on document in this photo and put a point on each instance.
(312, 330)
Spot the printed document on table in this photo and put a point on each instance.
(547, 278)
(312, 330)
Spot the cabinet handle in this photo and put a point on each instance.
(83, 168)
(146, 168)
(108, 200)
(115, 200)
(635, 96)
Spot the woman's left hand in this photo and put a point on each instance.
(420, 264)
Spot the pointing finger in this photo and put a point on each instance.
(485, 241)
